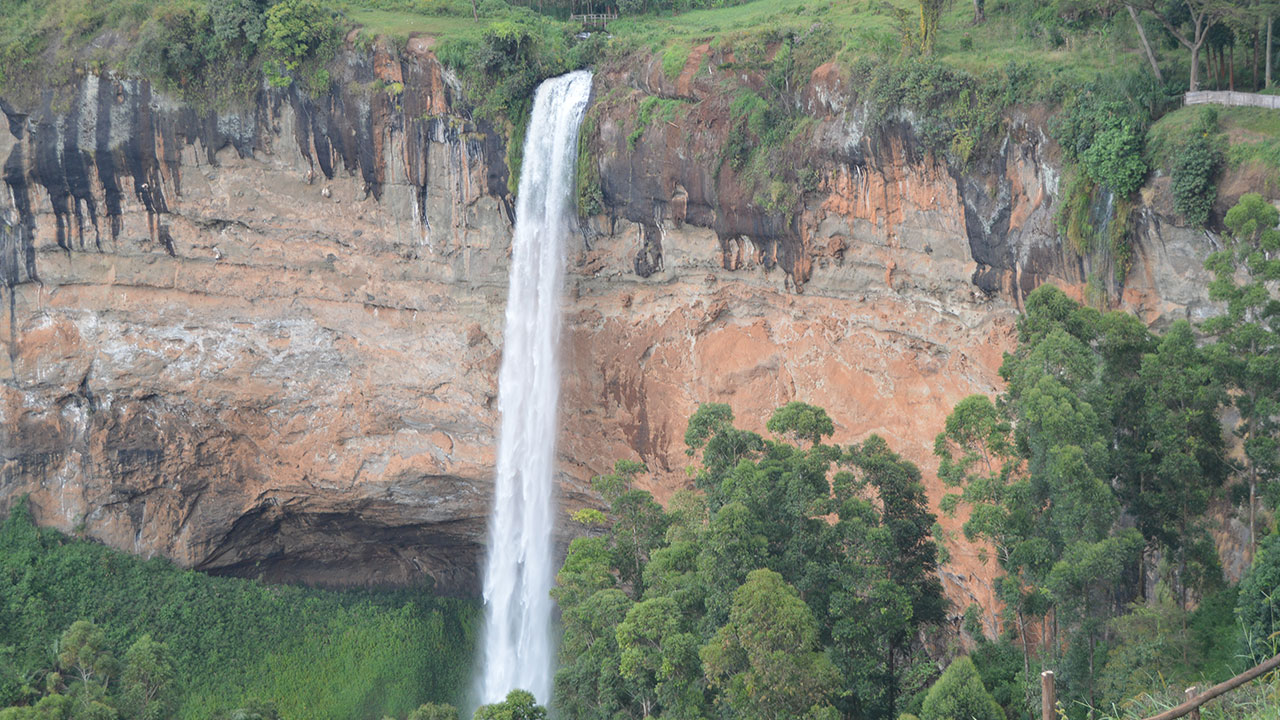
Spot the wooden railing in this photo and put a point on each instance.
(1225, 97)
(594, 19)
(1048, 704)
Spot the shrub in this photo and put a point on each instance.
(238, 24)
(173, 45)
(1114, 159)
(1194, 177)
(296, 31)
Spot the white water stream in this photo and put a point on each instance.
(518, 650)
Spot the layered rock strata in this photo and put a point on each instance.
(265, 341)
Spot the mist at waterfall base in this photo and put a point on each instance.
(517, 648)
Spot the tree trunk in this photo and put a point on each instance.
(1254, 64)
(1195, 66)
(979, 12)
(1231, 69)
(1268, 73)
(1146, 46)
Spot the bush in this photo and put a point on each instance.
(1114, 159)
(173, 45)
(1103, 128)
(297, 31)
(1195, 173)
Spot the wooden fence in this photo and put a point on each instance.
(1048, 706)
(594, 19)
(1225, 97)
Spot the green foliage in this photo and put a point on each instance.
(751, 602)
(955, 112)
(1075, 214)
(434, 711)
(226, 641)
(1114, 158)
(1106, 137)
(238, 25)
(148, 680)
(175, 45)
(959, 693)
(297, 31)
(586, 177)
(764, 660)
(1195, 173)
(82, 650)
(1100, 418)
(801, 421)
(519, 705)
(652, 107)
(674, 58)
(1258, 606)
(1247, 354)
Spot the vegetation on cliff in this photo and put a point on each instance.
(954, 71)
(792, 583)
(86, 632)
(799, 579)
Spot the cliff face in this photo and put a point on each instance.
(266, 342)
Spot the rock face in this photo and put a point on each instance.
(266, 341)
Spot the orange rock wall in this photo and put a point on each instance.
(288, 369)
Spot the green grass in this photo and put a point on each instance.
(312, 653)
(865, 29)
(1253, 135)
(401, 24)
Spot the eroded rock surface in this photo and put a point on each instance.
(266, 341)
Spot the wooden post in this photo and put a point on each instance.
(1048, 697)
(1191, 693)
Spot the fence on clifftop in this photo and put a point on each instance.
(1227, 97)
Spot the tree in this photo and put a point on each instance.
(1191, 33)
(519, 705)
(238, 24)
(800, 421)
(294, 31)
(659, 657)
(1258, 605)
(1248, 332)
(1146, 46)
(959, 694)
(83, 650)
(588, 682)
(733, 546)
(764, 661)
(147, 680)
(639, 523)
(907, 594)
(1184, 451)
(1195, 171)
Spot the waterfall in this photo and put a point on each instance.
(517, 650)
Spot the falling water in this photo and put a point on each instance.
(518, 649)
